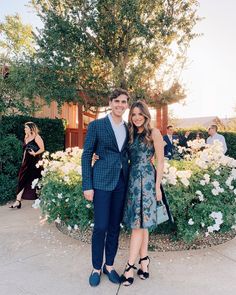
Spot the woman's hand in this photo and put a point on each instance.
(32, 153)
(158, 193)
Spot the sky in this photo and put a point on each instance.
(210, 75)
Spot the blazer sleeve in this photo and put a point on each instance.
(86, 159)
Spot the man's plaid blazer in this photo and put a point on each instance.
(100, 139)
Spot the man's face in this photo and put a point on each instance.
(170, 131)
(211, 131)
(119, 105)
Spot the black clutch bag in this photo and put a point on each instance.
(32, 147)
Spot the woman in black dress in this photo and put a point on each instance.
(33, 148)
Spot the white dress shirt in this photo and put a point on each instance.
(119, 130)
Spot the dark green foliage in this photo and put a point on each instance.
(12, 135)
(51, 130)
(10, 159)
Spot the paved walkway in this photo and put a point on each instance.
(37, 259)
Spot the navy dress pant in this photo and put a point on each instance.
(108, 213)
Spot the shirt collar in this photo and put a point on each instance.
(113, 123)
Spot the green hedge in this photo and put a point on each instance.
(51, 130)
(230, 138)
(12, 135)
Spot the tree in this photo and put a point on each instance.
(88, 47)
(16, 38)
(16, 43)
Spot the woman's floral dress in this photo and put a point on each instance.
(141, 204)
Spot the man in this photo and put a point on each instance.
(169, 142)
(105, 183)
(212, 131)
(184, 139)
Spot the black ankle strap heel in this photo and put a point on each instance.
(143, 274)
(128, 281)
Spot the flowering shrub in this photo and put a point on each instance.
(201, 191)
(61, 190)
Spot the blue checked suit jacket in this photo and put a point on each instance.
(100, 139)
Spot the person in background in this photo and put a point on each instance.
(184, 139)
(199, 135)
(212, 131)
(169, 142)
(33, 148)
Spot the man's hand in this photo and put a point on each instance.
(89, 195)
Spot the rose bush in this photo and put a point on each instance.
(201, 190)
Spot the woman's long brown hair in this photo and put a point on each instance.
(147, 123)
(33, 127)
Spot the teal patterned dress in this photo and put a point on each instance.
(141, 204)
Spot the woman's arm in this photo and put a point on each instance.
(159, 152)
(38, 139)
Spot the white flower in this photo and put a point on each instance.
(235, 191)
(216, 226)
(185, 181)
(36, 204)
(58, 220)
(66, 179)
(207, 178)
(202, 182)
(67, 200)
(216, 183)
(91, 224)
(200, 196)
(88, 206)
(69, 227)
(202, 224)
(76, 227)
(210, 229)
(59, 196)
(217, 172)
(215, 192)
(190, 222)
(34, 183)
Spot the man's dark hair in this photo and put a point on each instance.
(117, 92)
(169, 126)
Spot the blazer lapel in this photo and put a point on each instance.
(110, 131)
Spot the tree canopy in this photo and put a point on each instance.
(88, 47)
(16, 44)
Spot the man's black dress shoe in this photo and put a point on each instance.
(112, 275)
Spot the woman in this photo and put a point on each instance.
(33, 147)
(143, 189)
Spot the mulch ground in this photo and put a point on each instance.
(158, 242)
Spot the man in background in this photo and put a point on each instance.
(184, 139)
(212, 131)
(169, 139)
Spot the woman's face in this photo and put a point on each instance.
(137, 117)
(27, 129)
